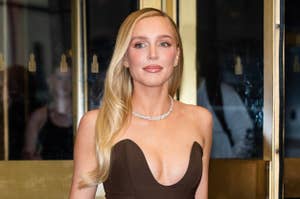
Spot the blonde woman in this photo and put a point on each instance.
(141, 143)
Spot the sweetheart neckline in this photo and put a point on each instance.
(195, 143)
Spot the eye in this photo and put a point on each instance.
(139, 45)
(165, 44)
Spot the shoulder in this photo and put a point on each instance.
(198, 114)
(85, 137)
(40, 112)
(39, 116)
(86, 128)
(201, 119)
(85, 159)
(88, 120)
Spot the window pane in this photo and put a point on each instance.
(230, 74)
(103, 21)
(38, 66)
(292, 65)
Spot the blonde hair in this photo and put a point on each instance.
(116, 101)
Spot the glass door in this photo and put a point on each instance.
(292, 103)
(230, 78)
(232, 68)
(36, 79)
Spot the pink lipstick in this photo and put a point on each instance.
(153, 68)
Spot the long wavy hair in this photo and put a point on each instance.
(116, 101)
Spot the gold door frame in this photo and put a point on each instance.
(272, 94)
(5, 89)
(59, 177)
(79, 48)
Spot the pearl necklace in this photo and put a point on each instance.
(158, 117)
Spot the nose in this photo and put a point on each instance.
(153, 52)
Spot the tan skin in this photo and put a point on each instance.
(166, 144)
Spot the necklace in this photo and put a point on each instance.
(158, 117)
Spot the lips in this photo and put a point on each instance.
(153, 68)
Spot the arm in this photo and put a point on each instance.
(33, 127)
(84, 156)
(206, 130)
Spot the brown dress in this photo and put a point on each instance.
(131, 178)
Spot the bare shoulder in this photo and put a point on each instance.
(88, 120)
(201, 119)
(39, 114)
(198, 114)
(84, 150)
(37, 119)
(85, 159)
(86, 133)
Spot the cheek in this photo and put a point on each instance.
(136, 57)
(170, 58)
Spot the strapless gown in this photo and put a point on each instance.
(131, 178)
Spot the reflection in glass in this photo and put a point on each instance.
(292, 72)
(230, 74)
(1, 115)
(37, 35)
(103, 21)
(49, 131)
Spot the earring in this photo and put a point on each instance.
(125, 64)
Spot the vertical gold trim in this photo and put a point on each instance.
(151, 3)
(169, 6)
(271, 93)
(5, 118)
(79, 72)
(187, 27)
(2, 62)
(3, 74)
(5, 85)
(268, 78)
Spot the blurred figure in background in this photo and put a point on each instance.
(49, 131)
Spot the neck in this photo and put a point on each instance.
(151, 103)
(62, 105)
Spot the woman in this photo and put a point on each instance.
(147, 144)
(49, 131)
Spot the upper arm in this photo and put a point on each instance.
(33, 126)
(85, 159)
(206, 134)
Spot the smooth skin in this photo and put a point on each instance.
(166, 144)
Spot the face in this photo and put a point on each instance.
(60, 83)
(153, 52)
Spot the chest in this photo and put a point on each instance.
(130, 168)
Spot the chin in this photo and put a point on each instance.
(154, 83)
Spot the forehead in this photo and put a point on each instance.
(156, 25)
(62, 75)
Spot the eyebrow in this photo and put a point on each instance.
(160, 36)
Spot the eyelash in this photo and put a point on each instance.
(139, 45)
(164, 44)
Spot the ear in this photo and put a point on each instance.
(177, 57)
(125, 61)
(125, 64)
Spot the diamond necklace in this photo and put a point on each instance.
(158, 117)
